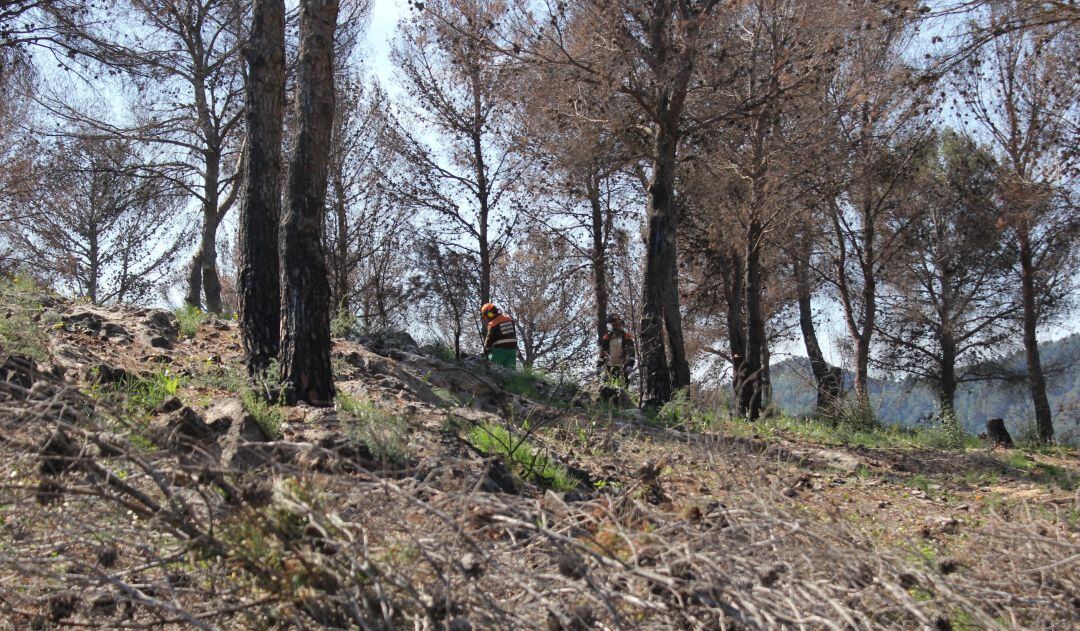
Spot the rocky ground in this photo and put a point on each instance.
(145, 483)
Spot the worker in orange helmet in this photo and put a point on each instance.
(618, 354)
(500, 339)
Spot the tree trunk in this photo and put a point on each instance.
(733, 294)
(341, 254)
(660, 290)
(997, 434)
(947, 389)
(260, 210)
(755, 324)
(305, 346)
(826, 377)
(869, 302)
(599, 257)
(1043, 420)
(203, 278)
(481, 187)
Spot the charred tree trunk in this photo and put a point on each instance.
(341, 254)
(755, 325)
(947, 390)
(305, 346)
(260, 208)
(202, 274)
(733, 294)
(599, 255)
(997, 434)
(826, 377)
(1037, 382)
(482, 192)
(660, 294)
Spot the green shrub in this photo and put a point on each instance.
(678, 411)
(20, 334)
(190, 318)
(854, 414)
(522, 456)
(441, 351)
(947, 435)
(268, 415)
(343, 323)
(381, 431)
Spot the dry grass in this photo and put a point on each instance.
(100, 532)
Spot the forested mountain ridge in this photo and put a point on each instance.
(910, 402)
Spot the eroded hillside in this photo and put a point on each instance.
(145, 483)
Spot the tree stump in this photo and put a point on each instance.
(997, 434)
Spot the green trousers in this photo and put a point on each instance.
(505, 357)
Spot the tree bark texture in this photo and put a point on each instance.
(599, 256)
(733, 295)
(826, 377)
(260, 210)
(202, 274)
(660, 313)
(1036, 381)
(305, 344)
(752, 382)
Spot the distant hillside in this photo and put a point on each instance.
(910, 402)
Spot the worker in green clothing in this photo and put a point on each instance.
(500, 341)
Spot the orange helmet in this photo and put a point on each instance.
(489, 310)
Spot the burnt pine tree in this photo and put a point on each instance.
(305, 344)
(260, 208)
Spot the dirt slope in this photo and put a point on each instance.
(143, 486)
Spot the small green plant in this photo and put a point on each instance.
(441, 351)
(268, 415)
(382, 432)
(522, 456)
(854, 414)
(228, 377)
(947, 435)
(677, 412)
(20, 334)
(138, 396)
(190, 318)
(343, 323)
(525, 383)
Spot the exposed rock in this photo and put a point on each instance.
(113, 332)
(83, 321)
(472, 565)
(159, 329)
(242, 440)
(183, 428)
(105, 374)
(169, 405)
(497, 478)
(387, 340)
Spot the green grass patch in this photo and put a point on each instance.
(268, 415)
(228, 377)
(524, 458)
(825, 432)
(1043, 472)
(441, 351)
(381, 431)
(525, 382)
(190, 318)
(20, 333)
(138, 396)
(343, 323)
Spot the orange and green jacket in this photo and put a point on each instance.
(500, 333)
